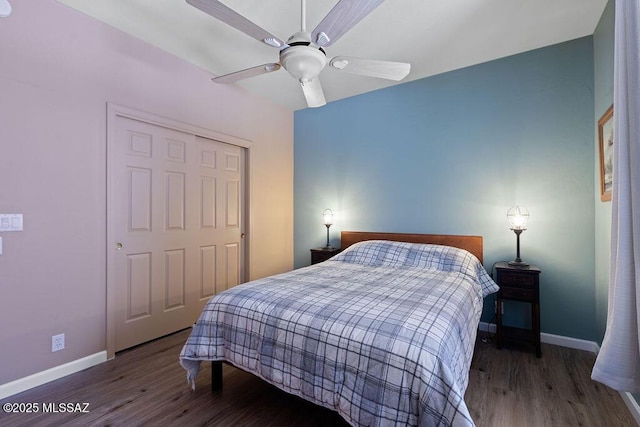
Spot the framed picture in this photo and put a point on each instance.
(605, 142)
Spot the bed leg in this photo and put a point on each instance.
(216, 375)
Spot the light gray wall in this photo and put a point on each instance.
(58, 70)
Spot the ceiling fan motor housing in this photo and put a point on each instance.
(301, 59)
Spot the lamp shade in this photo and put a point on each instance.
(518, 217)
(327, 217)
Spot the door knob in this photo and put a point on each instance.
(118, 246)
(242, 235)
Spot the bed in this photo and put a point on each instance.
(383, 333)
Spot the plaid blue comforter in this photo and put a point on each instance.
(382, 333)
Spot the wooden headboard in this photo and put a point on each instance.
(472, 244)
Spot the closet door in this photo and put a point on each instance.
(175, 227)
(220, 223)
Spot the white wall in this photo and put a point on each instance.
(58, 70)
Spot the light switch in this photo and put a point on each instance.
(11, 222)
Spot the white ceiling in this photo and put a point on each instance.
(435, 36)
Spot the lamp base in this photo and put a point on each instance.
(518, 263)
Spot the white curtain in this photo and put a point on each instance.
(618, 363)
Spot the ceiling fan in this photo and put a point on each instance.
(303, 55)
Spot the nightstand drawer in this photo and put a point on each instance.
(527, 281)
(517, 293)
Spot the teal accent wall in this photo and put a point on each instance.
(603, 79)
(451, 154)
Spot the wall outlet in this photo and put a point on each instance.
(57, 342)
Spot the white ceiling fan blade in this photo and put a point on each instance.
(227, 15)
(344, 15)
(371, 67)
(245, 74)
(313, 93)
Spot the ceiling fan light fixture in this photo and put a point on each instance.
(303, 62)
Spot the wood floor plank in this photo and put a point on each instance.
(146, 386)
(555, 390)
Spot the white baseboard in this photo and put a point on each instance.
(577, 344)
(39, 378)
(632, 405)
(569, 342)
(559, 340)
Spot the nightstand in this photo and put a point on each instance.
(323, 254)
(519, 284)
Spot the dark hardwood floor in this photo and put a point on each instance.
(146, 386)
(511, 387)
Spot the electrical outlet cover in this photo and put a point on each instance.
(57, 342)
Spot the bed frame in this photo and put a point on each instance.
(472, 244)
